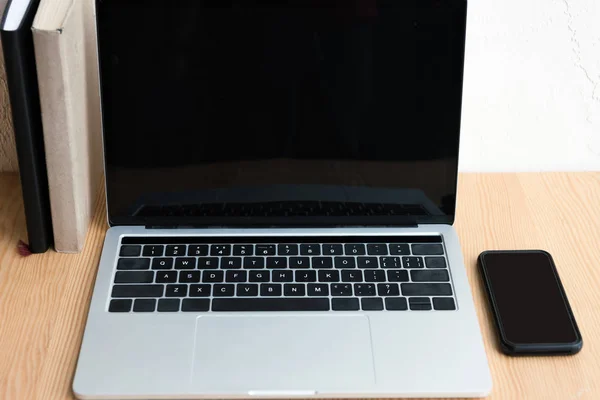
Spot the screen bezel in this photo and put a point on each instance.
(291, 222)
(512, 348)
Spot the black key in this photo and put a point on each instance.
(189, 276)
(419, 303)
(348, 304)
(426, 289)
(388, 289)
(134, 277)
(166, 277)
(329, 276)
(306, 276)
(378, 249)
(345, 262)
(162, 263)
(208, 263)
(322, 262)
(265, 250)
(176, 291)
(144, 305)
(364, 289)
(220, 250)
(435, 262)
(397, 275)
(176, 250)
(197, 250)
(390, 262)
(130, 251)
(260, 276)
(412, 262)
(374, 275)
(282, 304)
(396, 304)
(243, 250)
(443, 303)
(310, 249)
(200, 290)
(185, 263)
(368, 262)
(333, 250)
(137, 290)
(287, 249)
(318, 289)
(341, 289)
(373, 304)
(276, 262)
(254, 262)
(133, 263)
(299, 262)
(247, 290)
(283, 276)
(270, 289)
(213, 276)
(195, 305)
(291, 289)
(401, 249)
(154, 250)
(354, 249)
(427, 249)
(352, 276)
(223, 290)
(236, 276)
(120, 305)
(166, 305)
(231, 262)
(439, 275)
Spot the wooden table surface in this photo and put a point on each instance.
(44, 298)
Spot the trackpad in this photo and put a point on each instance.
(282, 353)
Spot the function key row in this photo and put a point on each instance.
(290, 304)
(295, 262)
(349, 249)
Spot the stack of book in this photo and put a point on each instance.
(50, 56)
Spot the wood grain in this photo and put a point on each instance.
(8, 149)
(44, 298)
(43, 305)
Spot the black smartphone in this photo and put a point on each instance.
(532, 313)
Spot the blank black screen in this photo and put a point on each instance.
(528, 298)
(253, 109)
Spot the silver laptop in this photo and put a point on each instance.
(281, 188)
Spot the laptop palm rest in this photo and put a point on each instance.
(269, 354)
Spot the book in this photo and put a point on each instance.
(21, 77)
(64, 38)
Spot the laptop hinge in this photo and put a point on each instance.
(257, 226)
(276, 222)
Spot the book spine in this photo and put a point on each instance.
(68, 218)
(24, 97)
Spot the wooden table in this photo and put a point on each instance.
(44, 298)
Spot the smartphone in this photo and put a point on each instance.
(532, 313)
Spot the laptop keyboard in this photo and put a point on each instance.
(198, 274)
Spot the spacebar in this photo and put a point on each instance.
(277, 304)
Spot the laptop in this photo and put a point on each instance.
(281, 190)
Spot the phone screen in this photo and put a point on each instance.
(528, 298)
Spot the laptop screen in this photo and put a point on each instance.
(281, 113)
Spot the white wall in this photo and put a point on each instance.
(532, 86)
